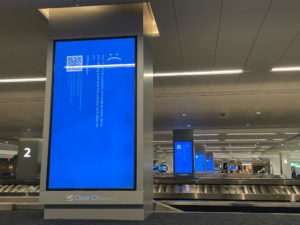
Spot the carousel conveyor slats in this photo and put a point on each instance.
(227, 189)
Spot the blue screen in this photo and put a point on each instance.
(199, 163)
(183, 157)
(92, 142)
(232, 167)
(209, 164)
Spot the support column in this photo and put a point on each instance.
(99, 113)
(285, 164)
(29, 159)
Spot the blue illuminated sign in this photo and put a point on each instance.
(183, 157)
(209, 164)
(92, 135)
(199, 163)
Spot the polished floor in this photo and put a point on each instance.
(34, 217)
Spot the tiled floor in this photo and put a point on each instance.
(34, 217)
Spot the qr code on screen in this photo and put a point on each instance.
(74, 63)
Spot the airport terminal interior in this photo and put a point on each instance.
(226, 112)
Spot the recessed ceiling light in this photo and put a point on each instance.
(28, 129)
(258, 113)
(183, 115)
(282, 144)
(285, 69)
(23, 80)
(6, 142)
(199, 73)
(188, 125)
(233, 134)
(247, 124)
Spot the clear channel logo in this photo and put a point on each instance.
(93, 197)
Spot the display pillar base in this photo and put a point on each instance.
(98, 214)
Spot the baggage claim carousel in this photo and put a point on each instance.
(182, 194)
(250, 194)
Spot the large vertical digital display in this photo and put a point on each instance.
(209, 164)
(199, 162)
(93, 121)
(183, 157)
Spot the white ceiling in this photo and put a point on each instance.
(254, 35)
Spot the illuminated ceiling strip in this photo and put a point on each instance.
(211, 150)
(237, 147)
(101, 66)
(199, 73)
(162, 141)
(206, 134)
(22, 80)
(285, 69)
(249, 140)
(291, 133)
(232, 134)
(278, 139)
(212, 140)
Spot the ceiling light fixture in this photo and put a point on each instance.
(248, 140)
(232, 134)
(292, 133)
(23, 80)
(211, 140)
(238, 147)
(162, 141)
(278, 139)
(285, 69)
(258, 113)
(211, 150)
(206, 134)
(199, 73)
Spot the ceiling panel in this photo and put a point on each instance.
(203, 111)
(19, 91)
(198, 55)
(250, 81)
(224, 83)
(12, 66)
(166, 57)
(242, 18)
(292, 56)
(276, 81)
(165, 18)
(174, 85)
(18, 117)
(266, 53)
(294, 83)
(198, 19)
(283, 19)
(239, 50)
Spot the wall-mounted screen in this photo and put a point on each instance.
(183, 157)
(93, 121)
(199, 162)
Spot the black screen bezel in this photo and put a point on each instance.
(50, 121)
